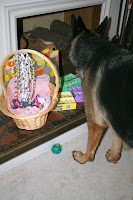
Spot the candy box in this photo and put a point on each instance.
(66, 84)
(77, 92)
(67, 77)
(75, 88)
(69, 80)
(65, 94)
(78, 96)
(66, 102)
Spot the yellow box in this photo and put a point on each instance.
(66, 102)
(65, 94)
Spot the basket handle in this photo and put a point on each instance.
(31, 52)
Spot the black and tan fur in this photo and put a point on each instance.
(107, 80)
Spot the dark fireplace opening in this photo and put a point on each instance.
(55, 28)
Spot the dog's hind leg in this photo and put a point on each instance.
(114, 154)
(95, 132)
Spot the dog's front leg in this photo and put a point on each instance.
(95, 133)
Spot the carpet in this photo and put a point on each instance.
(51, 176)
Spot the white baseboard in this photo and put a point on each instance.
(25, 157)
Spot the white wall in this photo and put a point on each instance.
(114, 14)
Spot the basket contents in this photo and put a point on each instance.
(27, 94)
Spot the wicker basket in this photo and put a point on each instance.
(29, 122)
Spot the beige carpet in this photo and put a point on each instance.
(50, 177)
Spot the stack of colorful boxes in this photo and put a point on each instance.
(71, 88)
(66, 102)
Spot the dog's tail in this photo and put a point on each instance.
(117, 100)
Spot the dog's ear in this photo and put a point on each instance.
(81, 23)
(102, 28)
(76, 26)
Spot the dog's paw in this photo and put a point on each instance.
(81, 157)
(112, 158)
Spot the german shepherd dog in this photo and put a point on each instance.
(106, 71)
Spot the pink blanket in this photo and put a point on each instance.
(41, 89)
